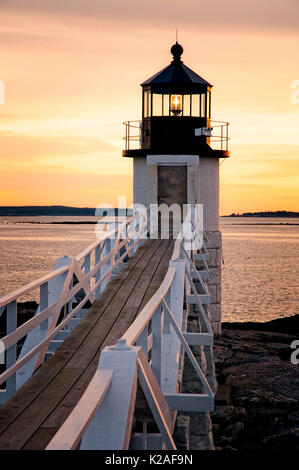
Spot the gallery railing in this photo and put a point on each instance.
(217, 134)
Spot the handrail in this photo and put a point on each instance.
(133, 332)
(151, 349)
(8, 298)
(110, 251)
(160, 328)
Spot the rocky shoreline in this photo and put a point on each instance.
(258, 387)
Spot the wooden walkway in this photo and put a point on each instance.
(33, 415)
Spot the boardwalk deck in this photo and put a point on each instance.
(33, 415)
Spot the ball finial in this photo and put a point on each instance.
(177, 51)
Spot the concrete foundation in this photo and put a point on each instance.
(214, 246)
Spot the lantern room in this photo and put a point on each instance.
(176, 114)
(170, 93)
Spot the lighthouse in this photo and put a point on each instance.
(176, 149)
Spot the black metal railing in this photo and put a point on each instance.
(218, 139)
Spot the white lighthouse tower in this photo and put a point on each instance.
(176, 150)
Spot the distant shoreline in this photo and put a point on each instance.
(278, 214)
(91, 222)
(66, 211)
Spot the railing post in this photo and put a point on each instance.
(170, 342)
(11, 353)
(110, 428)
(226, 136)
(37, 335)
(221, 136)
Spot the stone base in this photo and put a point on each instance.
(214, 246)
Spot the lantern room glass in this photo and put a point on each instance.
(176, 104)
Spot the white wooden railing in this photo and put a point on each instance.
(152, 352)
(63, 295)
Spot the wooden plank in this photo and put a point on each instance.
(41, 379)
(144, 317)
(39, 410)
(130, 310)
(159, 274)
(102, 328)
(58, 416)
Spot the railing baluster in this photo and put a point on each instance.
(11, 353)
(156, 348)
(221, 136)
(87, 267)
(142, 340)
(166, 323)
(44, 303)
(98, 273)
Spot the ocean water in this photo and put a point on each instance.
(260, 274)
(260, 260)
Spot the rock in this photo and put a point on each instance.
(202, 442)
(181, 434)
(254, 361)
(200, 423)
(223, 395)
(227, 414)
(234, 429)
(285, 441)
(281, 325)
(294, 416)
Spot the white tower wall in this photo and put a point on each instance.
(140, 181)
(203, 188)
(209, 191)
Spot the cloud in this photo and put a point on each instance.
(89, 190)
(22, 147)
(265, 14)
(25, 38)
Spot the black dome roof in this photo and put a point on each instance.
(176, 73)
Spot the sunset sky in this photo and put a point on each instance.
(72, 71)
